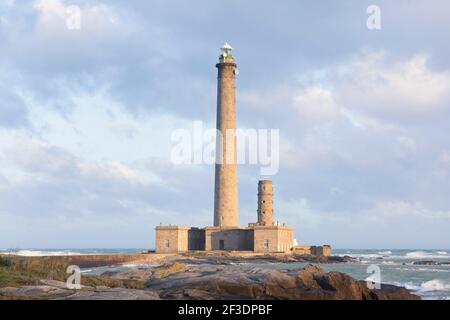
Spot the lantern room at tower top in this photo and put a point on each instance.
(226, 53)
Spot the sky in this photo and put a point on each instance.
(86, 117)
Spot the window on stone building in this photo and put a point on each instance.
(266, 244)
(167, 243)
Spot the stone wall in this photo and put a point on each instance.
(231, 239)
(273, 239)
(302, 249)
(171, 239)
(324, 250)
(285, 239)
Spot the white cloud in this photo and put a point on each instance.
(28, 158)
(367, 100)
(370, 82)
(442, 167)
(298, 212)
(404, 213)
(370, 90)
(86, 117)
(313, 148)
(316, 104)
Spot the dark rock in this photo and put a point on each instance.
(217, 277)
(426, 263)
(310, 282)
(312, 268)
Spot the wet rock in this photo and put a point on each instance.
(426, 263)
(216, 277)
(114, 294)
(40, 292)
(312, 268)
(129, 274)
(56, 291)
(310, 282)
(167, 270)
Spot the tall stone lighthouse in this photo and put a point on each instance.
(226, 180)
(262, 236)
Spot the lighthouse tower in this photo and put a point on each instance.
(262, 236)
(226, 180)
(265, 203)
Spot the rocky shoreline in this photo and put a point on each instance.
(187, 276)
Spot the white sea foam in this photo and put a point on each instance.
(86, 271)
(364, 261)
(432, 270)
(39, 253)
(389, 263)
(426, 255)
(420, 254)
(422, 269)
(435, 285)
(131, 265)
(425, 287)
(362, 255)
(139, 265)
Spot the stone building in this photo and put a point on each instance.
(324, 250)
(265, 235)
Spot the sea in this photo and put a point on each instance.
(398, 267)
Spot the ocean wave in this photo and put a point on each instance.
(433, 270)
(362, 255)
(388, 252)
(421, 269)
(43, 253)
(425, 254)
(389, 263)
(140, 265)
(425, 287)
(364, 261)
(435, 285)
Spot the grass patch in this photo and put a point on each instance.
(167, 270)
(5, 261)
(17, 271)
(22, 271)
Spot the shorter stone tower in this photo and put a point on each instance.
(265, 203)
